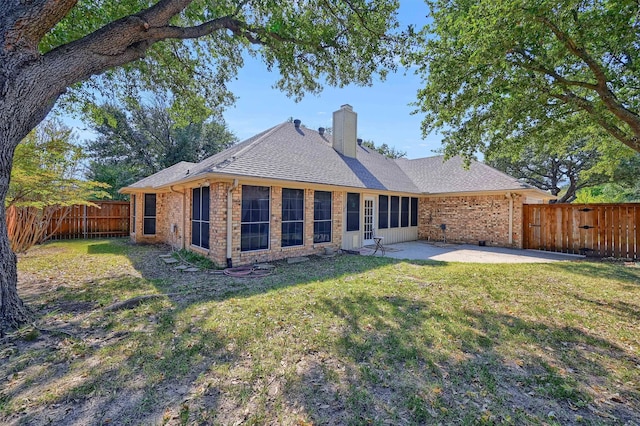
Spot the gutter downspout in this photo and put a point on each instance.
(510, 197)
(184, 214)
(230, 222)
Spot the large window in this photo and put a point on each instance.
(394, 220)
(322, 217)
(414, 211)
(404, 212)
(200, 217)
(149, 218)
(383, 212)
(254, 232)
(353, 211)
(133, 214)
(292, 217)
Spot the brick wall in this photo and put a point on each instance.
(163, 204)
(275, 251)
(470, 219)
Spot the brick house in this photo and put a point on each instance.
(292, 191)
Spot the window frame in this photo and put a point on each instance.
(146, 216)
(199, 219)
(394, 215)
(405, 203)
(264, 224)
(353, 215)
(383, 214)
(318, 222)
(414, 211)
(286, 220)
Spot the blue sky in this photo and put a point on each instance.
(384, 113)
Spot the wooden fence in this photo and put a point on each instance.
(109, 219)
(599, 230)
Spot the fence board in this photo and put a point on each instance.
(602, 230)
(108, 219)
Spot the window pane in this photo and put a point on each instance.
(353, 211)
(322, 205)
(322, 232)
(149, 227)
(404, 213)
(395, 212)
(149, 204)
(292, 234)
(383, 212)
(414, 211)
(204, 235)
(254, 232)
(205, 204)
(195, 233)
(292, 205)
(195, 204)
(255, 236)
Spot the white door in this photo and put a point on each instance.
(369, 220)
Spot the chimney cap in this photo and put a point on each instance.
(359, 141)
(296, 123)
(347, 107)
(321, 130)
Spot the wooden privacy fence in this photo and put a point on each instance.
(600, 230)
(109, 219)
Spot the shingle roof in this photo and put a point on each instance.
(435, 175)
(165, 176)
(287, 153)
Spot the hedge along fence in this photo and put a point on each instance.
(30, 225)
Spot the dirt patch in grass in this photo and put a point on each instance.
(346, 340)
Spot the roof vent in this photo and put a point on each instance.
(359, 142)
(321, 131)
(296, 123)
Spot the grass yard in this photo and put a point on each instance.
(350, 340)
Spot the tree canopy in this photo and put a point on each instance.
(386, 150)
(497, 72)
(141, 140)
(190, 48)
(45, 178)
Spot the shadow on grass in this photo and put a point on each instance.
(400, 361)
(387, 358)
(605, 270)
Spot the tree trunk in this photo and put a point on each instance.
(12, 311)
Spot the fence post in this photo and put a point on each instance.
(84, 223)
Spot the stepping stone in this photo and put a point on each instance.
(180, 267)
(297, 260)
(192, 269)
(169, 260)
(165, 255)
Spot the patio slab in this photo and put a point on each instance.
(424, 250)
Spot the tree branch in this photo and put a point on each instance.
(606, 95)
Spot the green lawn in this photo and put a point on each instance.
(348, 340)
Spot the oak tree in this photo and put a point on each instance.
(497, 70)
(191, 48)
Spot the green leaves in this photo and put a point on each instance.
(309, 43)
(496, 72)
(46, 170)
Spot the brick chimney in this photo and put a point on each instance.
(345, 127)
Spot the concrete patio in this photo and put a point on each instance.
(426, 250)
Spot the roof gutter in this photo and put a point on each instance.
(230, 222)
